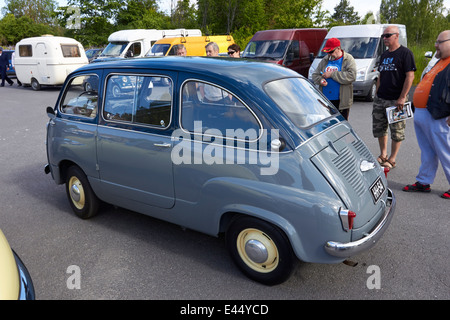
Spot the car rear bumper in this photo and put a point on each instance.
(26, 284)
(348, 249)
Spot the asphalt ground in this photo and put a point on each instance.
(122, 255)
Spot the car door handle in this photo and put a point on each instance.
(163, 145)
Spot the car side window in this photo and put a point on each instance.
(142, 100)
(81, 96)
(214, 111)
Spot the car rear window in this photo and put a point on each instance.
(300, 101)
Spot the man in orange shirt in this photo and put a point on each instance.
(432, 119)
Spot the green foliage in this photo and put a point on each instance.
(97, 19)
(13, 29)
(344, 14)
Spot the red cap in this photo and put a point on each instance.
(331, 44)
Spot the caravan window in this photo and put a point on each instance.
(25, 50)
(70, 51)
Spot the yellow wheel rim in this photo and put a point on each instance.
(76, 192)
(257, 250)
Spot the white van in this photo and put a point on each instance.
(47, 60)
(137, 42)
(364, 43)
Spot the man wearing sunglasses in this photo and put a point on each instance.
(335, 75)
(432, 119)
(396, 69)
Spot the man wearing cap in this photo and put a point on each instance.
(335, 75)
(396, 68)
(4, 66)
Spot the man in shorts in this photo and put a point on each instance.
(396, 68)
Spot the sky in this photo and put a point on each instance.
(360, 6)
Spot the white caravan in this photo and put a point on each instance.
(364, 43)
(137, 42)
(47, 60)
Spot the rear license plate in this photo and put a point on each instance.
(377, 189)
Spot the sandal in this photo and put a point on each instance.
(381, 159)
(418, 187)
(388, 164)
(446, 194)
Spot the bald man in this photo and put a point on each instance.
(396, 68)
(432, 119)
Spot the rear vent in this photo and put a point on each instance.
(348, 166)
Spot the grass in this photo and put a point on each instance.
(419, 57)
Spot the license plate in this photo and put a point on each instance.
(377, 189)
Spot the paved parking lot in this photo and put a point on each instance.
(124, 255)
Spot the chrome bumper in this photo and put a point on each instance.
(26, 284)
(345, 250)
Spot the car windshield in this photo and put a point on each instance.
(114, 49)
(266, 49)
(300, 101)
(159, 49)
(359, 48)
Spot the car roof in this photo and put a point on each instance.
(227, 69)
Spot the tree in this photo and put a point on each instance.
(344, 14)
(39, 11)
(427, 21)
(389, 10)
(13, 29)
(185, 15)
(141, 14)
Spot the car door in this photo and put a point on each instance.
(134, 140)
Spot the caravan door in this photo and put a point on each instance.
(41, 60)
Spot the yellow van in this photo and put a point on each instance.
(195, 46)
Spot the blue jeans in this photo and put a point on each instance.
(433, 137)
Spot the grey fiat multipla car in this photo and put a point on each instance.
(230, 146)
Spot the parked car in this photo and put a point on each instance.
(292, 48)
(195, 46)
(137, 42)
(432, 56)
(15, 280)
(259, 155)
(93, 54)
(11, 72)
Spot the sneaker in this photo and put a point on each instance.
(417, 187)
(446, 195)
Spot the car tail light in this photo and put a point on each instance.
(347, 218)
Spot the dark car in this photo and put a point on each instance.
(10, 72)
(220, 145)
(93, 54)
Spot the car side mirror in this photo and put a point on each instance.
(51, 113)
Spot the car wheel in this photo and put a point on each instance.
(87, 86)
(35, 85)
(82, 199)
(372, 92)
(260, 250)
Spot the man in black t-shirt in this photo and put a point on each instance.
(396, 68)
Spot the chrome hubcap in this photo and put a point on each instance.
(76, 192)
(256, 251)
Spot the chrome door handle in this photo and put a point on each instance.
(163, 145)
